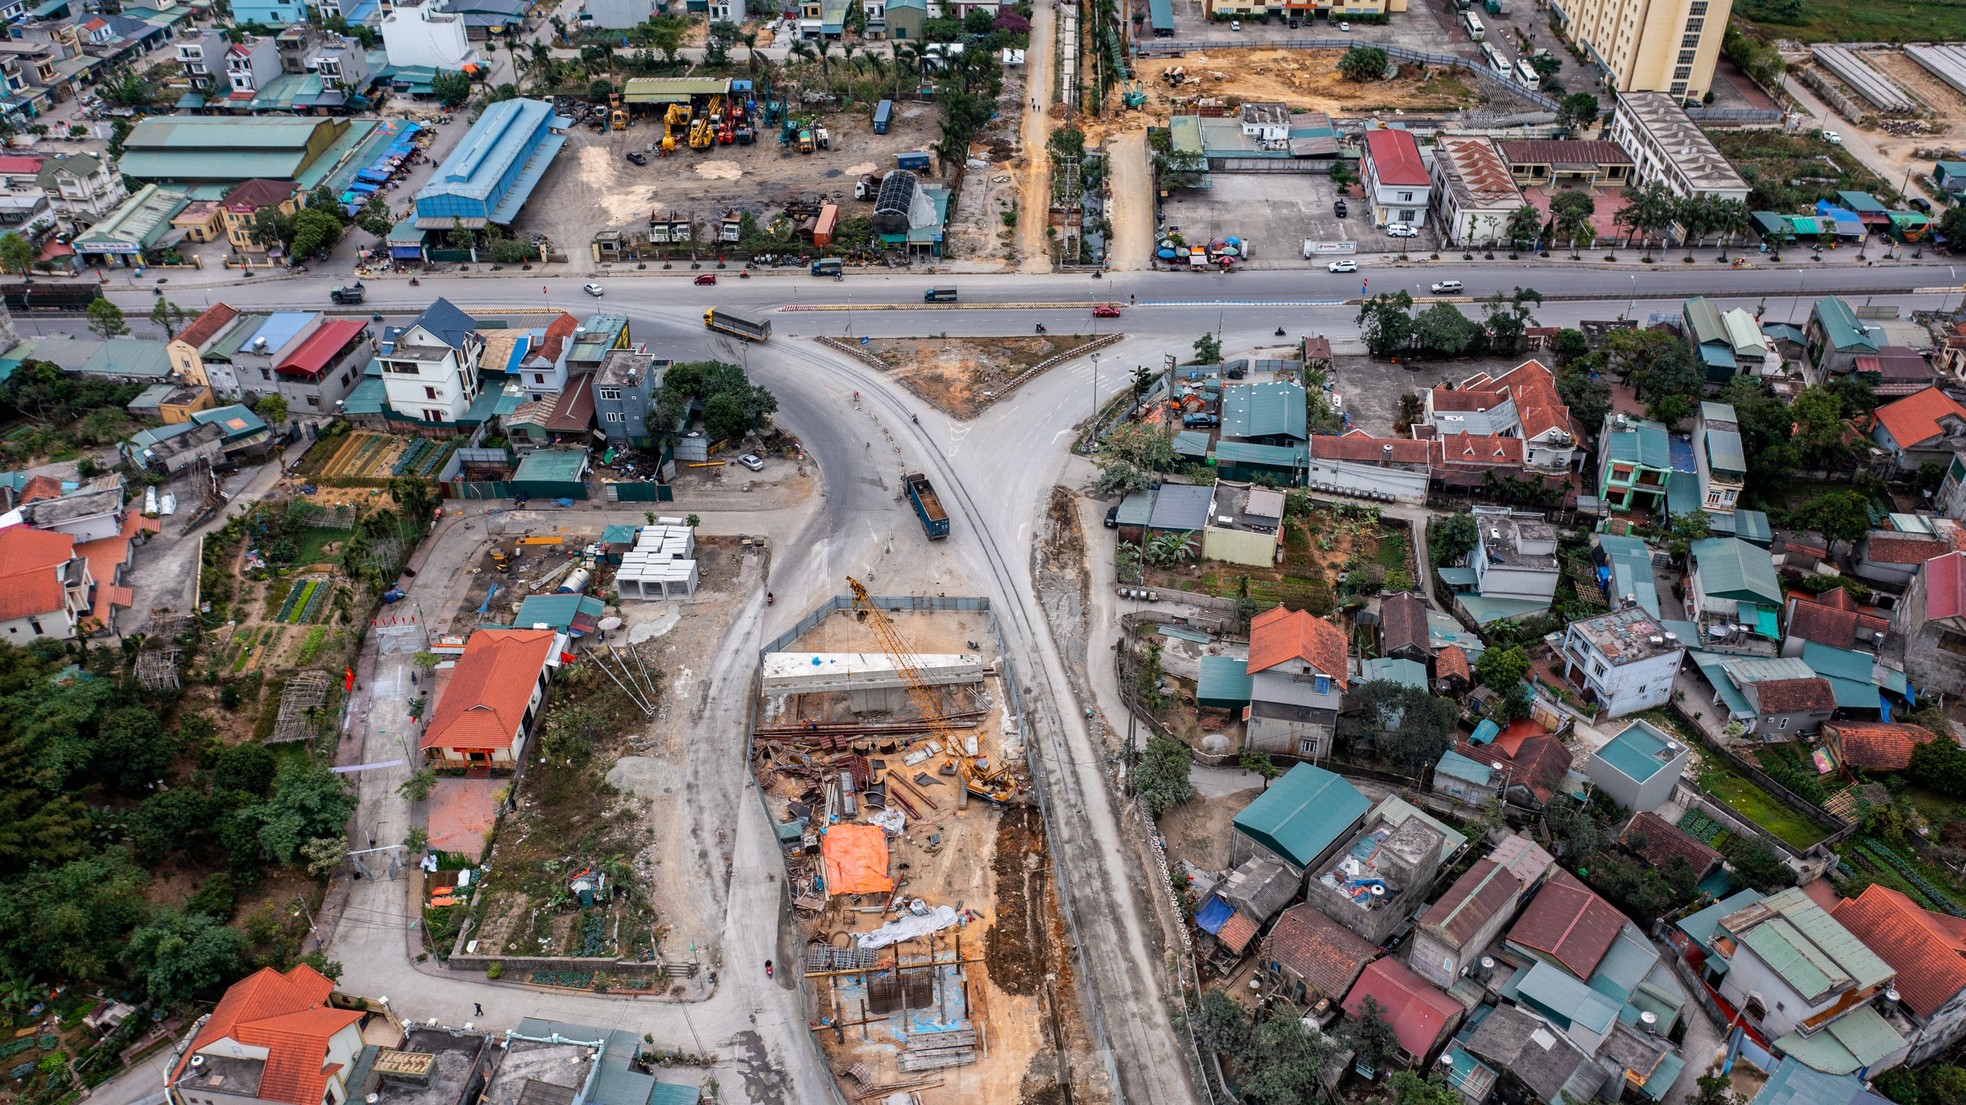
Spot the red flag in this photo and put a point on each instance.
(348, 680)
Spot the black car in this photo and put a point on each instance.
(1921, 203)
(1339, 209)
(638, 157)
(1113, 516)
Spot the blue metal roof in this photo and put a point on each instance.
(280, 328)
(446, 323)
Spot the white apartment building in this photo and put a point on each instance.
(430, 369)
(1667, 146)
(1624, 661)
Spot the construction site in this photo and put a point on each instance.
(889, 753)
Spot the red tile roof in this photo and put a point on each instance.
(1788, 696)
(249, 196)
(489, 689)
(1395, 157)
(208, 325)
(1879, 746)
(1419, 1012)
(1317, 949)
(1536, 402)
(1465, 399)
(573, 409)
(1237, 931)
(1278, 635)
(1537, 760)
(319, 350)
(1915, 418)
(1945, 586)
(1885, 547)
(39, 487)
(30, 567)
(1364, 448)
(554, 340)
(288, 1015)
(1659, 842)
(21, 164)
(1481, 893)
(1477, 450)
(1403, 623)
(1451, 662)
(1568, 923)
(1833, 625)
(1562, 151)
(1928, 950)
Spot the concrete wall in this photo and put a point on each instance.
(1234, 546)
(1403, 485)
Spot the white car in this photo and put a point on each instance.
(592, 289)
(1345, 27)
(1832, 138)
(1448, 287)
(752, 461)
(1342, 266)
(1401, 230)
(1235, 24)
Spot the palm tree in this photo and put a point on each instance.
(1693, 215)
(750, 41)
(1522, 226)
(1729, 218)
(906, 57)
(875, 64)
(1571, 222)
(1652, 211)
(847, 50)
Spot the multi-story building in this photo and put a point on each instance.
(1634, 463)
(45, 587)
(1667, 146)
(1722, 461)
(1928, 626)
(1732, 582)
(1297, 670)
(1396, 181)
(200, 54)
(273, 1039)
(239, 211)
(82, 187)
(1638, 768)
(430, 367)
(249, 65)
(625, 391)
(326, 364)
(1473, 191)
(421, 35)
(1514, 556)
(1452, 934)
(343, 68)
(1624, 661)
(1928, 951)
(1663, 46)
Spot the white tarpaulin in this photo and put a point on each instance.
(907, 928)
(892, 820)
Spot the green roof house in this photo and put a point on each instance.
(1733, 585)
(1266, 414)
(1299, 819)
(1951, 176)
(1638, 768)
(1835, 336)
(1634, 463)
(905, 19)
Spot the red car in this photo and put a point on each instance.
(1105, 310)
(707, 278)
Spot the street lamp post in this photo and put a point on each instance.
(1095, 392)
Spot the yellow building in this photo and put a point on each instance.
(200, 222)
(183, 402)
(1667, 46)
(242, 205)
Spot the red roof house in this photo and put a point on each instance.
(323, 348)
(1832, 620)
(1658, 842)
(1568, 925)
(45, 588)
(1279, 636)
(487, 707)
(273, 1038)
(1451, 663)
(1927, 949)
(1919, 422)
(1392, 160)
(1874, 745)
(1313, 954)
(1421, 1015)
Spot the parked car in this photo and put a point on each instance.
(1342, 266)
(1401, 230)
(1921, 203)
(752, 461)
(1235, 24)
(1448, 287)
(1345, 27)
(592, 289)
(1339, 209)
(706, 278)
(638, 157)
(1113, 516)
(1105, 310)
(1832, 138)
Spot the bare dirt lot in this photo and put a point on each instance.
(963, 376)
(1306, 81)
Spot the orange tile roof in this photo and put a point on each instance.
(1477, 450)
(207, 326)
(1450, 662)
(30, 562)
(1277, 635)
(288, 1015)
(1236, 932)
(1879, 746)
(1464, 399)
(1915, 418)
(1536, 403)
(38, 488)
(489, 689)
(557, 333)
(1928, 950)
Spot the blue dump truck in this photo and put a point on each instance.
(935, 520)
(883, 113)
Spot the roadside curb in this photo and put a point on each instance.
(1068, 304)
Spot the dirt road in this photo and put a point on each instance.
(1133, 202)
(1034, 187)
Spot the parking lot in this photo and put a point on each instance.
(1276, 212)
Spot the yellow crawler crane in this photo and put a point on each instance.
(991, 786)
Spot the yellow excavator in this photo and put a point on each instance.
(675, 127)
(993, 786)
(617, 115)
(701, 134)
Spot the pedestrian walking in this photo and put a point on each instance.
(477, 1010)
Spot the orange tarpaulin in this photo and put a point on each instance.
(856, 860)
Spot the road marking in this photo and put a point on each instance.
(1059, 434)
(1243, 302)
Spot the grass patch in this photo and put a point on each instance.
(310, 542)
(1871, 21)
(1789, 172)
(1718, 778)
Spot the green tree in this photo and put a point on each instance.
(106, 319)
(244, 769)
(1259, 763)
(167, 316)
(1670, 383)
(183, 956)
(1443, 331)
(132, 749)
(1695, 216)
(1524, 226)
(1130, 457)
(315, 232)
(1841, 516)
(1570, 219)
(1386, 323)
(308, 802)
(273, 409)
(17, 254)
(1408, 726)
(1587, 396)
(979, 21)
(1413, 1089)
(1508, 318)
(1160, 777)
(1952, 224)
(1757, 862)
(1451, 537)
(1577, 111)
(419, 785)
(1208, 349)
(450, 87)
(1222, 1025)
(169, 821)
(1287, 1061)
(375, 218)
(1362, 64)
(1714, 1089)
(1506, 672)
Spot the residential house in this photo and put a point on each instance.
(200, 54)
(430, 367)
(1928, 626)
(273, 1039)
(24, 204)
(1561, 163)
(45, 586)
(1473, 193)
(1251, 894)
(905, 19)
(1421, 1016)
(201, 221)
(1566, 925)
(1634, 464)
(1789, 708)
(1522, 402)
(1298, 819)
(1728, 343)
(1874, 746)
(1721, 458)
(1531, 761)
(486, 703)
(1660, 843)
(562, 417)
(1453, 933)
(1926, 427)
(1831, 619)
(1537, 1062)
(1625, 572)
(1858, 680)
(1468, 461)
(1466, 780)
(1732, 584)
(1625, 661)
(1360, 465)
(1386, 871)
(1480, 409)
(439, 1066)
(134, 230)
(617, 15)
(421, 36)
(1246, 527)
(1312, 960)
(1638, 768)
(241, 208)
(1512, 570)
(82, 187)
(1397, 185)
(272, 13)
(1950, 176)
(1927, 950)
(92, 512)
(594, 339)
(323, 367)
(250, 65)
(1297, 669)
(1668, 147)
(1796, 1083)
(491, 173)
(1835, 337)
(186, 350)
(1889, 558)
(1895, 371)
(343, 68)
(1403, 627)
(542, 368)
(1806, 984)
(625, 391)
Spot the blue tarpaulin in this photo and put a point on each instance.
(1213, 915)
(1485, 732)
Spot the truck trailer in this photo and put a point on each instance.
(748, 327)
(935, 520)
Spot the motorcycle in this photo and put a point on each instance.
(744, 274)
(1040, 327)
(767, 968)
(414, 281)
(1279, 331)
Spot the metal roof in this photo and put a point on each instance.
(1810, 950)
(1552, 991)
(1302, 813)
(507, 133)
(1224, 680)
(1456, 766)
(1265, 410)
(1840, 325)
(1407, 673)
(1181, 507)
(1732, 568)
(1853, 1042)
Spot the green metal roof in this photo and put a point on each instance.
(1224, 682)
(1703, 322)
(1796, 1083)
(1840, 325)
(1702, 925)
(552, 466)
(1456, 766)
(1660, 1082)
(1557, 994)
(1137, 509)
(1643, 443)
(1265, 410)
(1713, 667)
(128, 356)
(1487, 611)
(1751, 526)
(1724, 452)
(1853, 1042)
(1407, 673)
(1863, 203)
(1732, 568)
(1191, 443)
(1809, 949)
(1302, 813)
(1273, 456)
(1639, 752)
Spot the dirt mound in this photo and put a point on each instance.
(963, 376)
(1015, 951)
